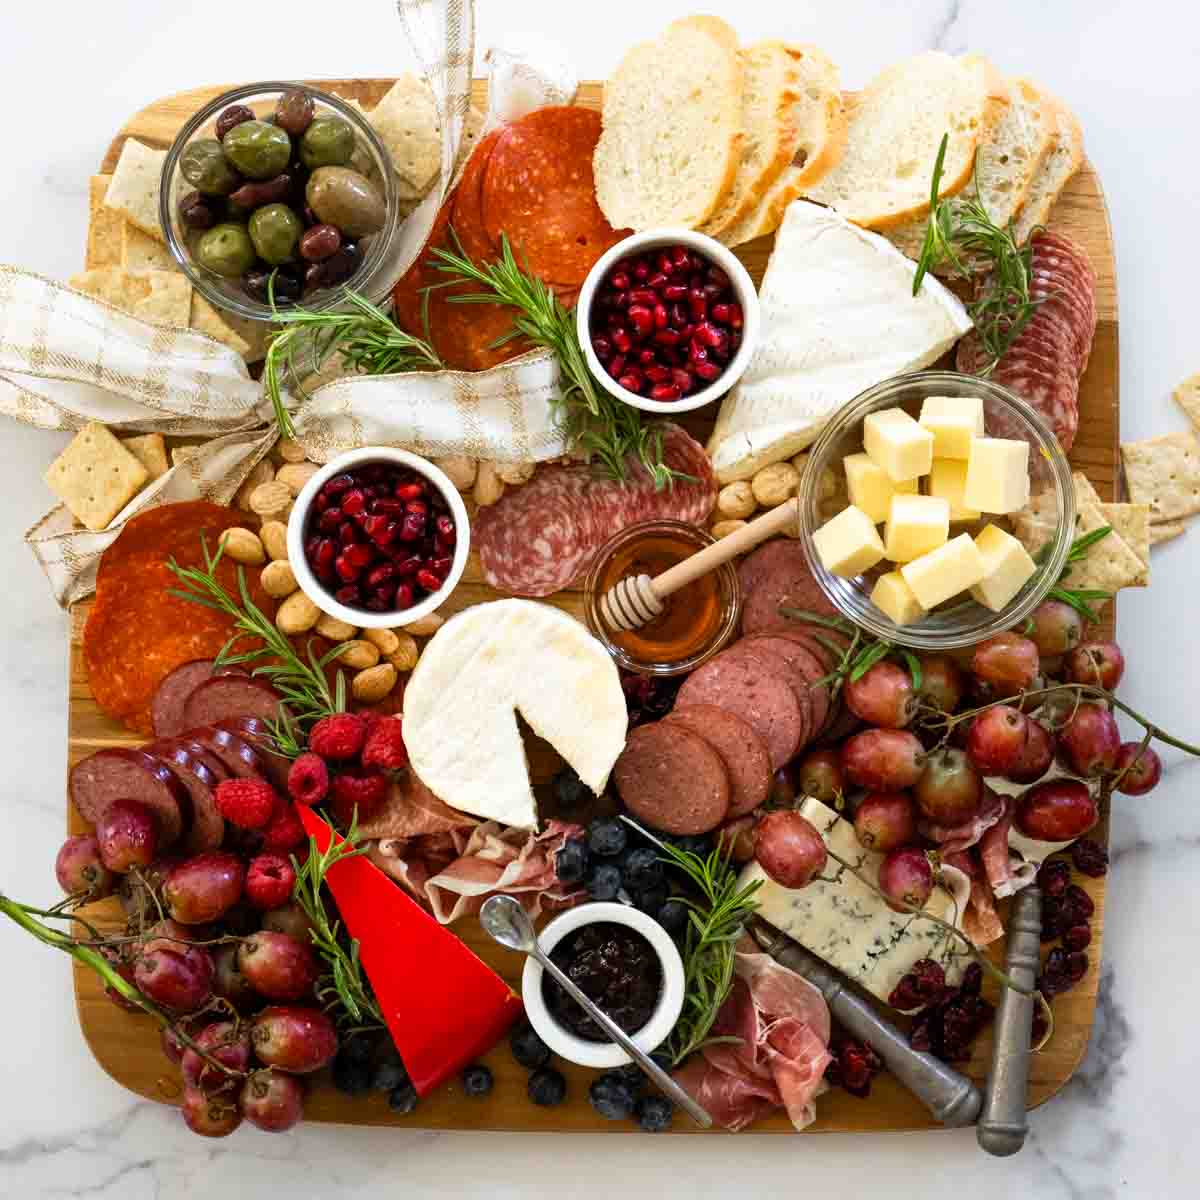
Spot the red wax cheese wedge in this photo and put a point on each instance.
(443, 1006)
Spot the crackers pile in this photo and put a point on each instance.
(98, 474)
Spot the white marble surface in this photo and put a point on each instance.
(69, 74)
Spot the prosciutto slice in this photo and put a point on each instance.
(980, 920)
(953, 838)
(779, 1062)
(411, 810)
(995, 856)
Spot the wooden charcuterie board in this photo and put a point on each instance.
(127, 1046)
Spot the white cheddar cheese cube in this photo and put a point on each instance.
(1006, 565)
(915, 525)
(953, 421)
(897, 444)
(869, 486)
(997, 475)
(944, 572)
(892, 596)
(849, 543)
(948, 479)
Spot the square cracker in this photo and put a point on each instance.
(133, 191)
(163, 297)
(1110, 564)
(1084, 489)
(1187, 396)
(1164, 472)
(1131, 521)
(150, 450)
(95, 476)
(104, 227)
(406, 120)
(244, 337)
(141, 252)
(1164, 531)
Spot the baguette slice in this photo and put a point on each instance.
(769, 133)
(671, 139)
(895, 128)
(1064, 159)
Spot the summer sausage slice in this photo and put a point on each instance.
(226, 696)
(806, 669)
(166, 710)
(765, 701)
(120, 772)
(743, 752)
(256, 731)
(672, 780)
(770, 664)
(787, 580)
(236, 755)
(193, 767)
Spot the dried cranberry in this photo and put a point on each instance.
(1090, 858)
(1053, 877)
(1078, 937)
(1076, 966)
(1078, 904)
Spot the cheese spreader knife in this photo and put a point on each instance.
(948, 1094)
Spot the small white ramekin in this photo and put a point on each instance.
(319, 594)
(717, 254)
(670, 1000)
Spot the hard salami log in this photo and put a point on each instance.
(672, 780)
(744, 753)
(121, 773)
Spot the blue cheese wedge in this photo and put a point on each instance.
(849, 926)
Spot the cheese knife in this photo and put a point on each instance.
(948, 1094)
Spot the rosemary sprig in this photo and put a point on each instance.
(1080, 599)
(856, 659)
(588, 416)
(369, 341)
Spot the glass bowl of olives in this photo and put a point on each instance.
(280, 192)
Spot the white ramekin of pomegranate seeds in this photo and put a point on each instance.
(378, 537)
(667, 320)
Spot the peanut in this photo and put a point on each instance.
(271, 499)
(278, 579)
(358, 654)
(296, 475)
(385, 639)
(725, 528)
(335, 630)
(515, 473)
(736, 500)
(827, 485)
(489, 487)
(290, 450)
(405, 656)
(459, 469)
(243, 546)
(297, 614)
(263, 471)
(774, 484)
(273, 535)
(374, 683)
(425, 626)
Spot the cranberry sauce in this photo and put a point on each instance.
(380, 537)
(665, 323)
(614, 966)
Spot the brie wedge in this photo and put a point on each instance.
(838, 316)
(478, 671)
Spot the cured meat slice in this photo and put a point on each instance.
(236, 755)
(672, 780)
(166, 712)
(770, 664)
(466, 217)
(952, 839)
(226, 696)
(765, 701)
(539, 191)
(194, 768)
(256, 731)
(117, 773)
(411, 810)
(744, 753)
(806, 670)
(784, 579)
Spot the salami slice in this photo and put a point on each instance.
(113, 774)
(226, 696)
(538, 191)
(194, 769)
(744, 753)
(672, 780)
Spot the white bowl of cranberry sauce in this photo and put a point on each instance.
(668, 320)
(378, 537)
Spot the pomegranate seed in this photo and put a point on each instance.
(631, 381)
(665, 263)
(657, 374)
(404, 596)
(446, 530)
(717, 277)
(380, 575)
(711, 292)
(721, 349)
(686, 331)
(390, 508)
(707, 334)
(695, 281)
(603, 348)
(410, 491)
(620, 300)
(416, 506)
(329, 520)
(412, 527)
(622, 340)
(347, 533)
(310, 547)
(697, 353)
(347, 595)
(428, 580)
(359, 555)
(674, 291)
(643, 296)
(346, 570)
(377, 603)
(664, 391)
(320, 502)
(680, 256)
(647, 357)
(641, 270)
(326, 552)
(615, 321)
(666, 337)
(441, 565)
(661, 316)
(706, 370)
(354, 502)
(408, 565)
(376, 527)
(679, 314)
(658, 280)
(682, 380)
(619, 281)
(337, 485)
(641, 318)
(615, 365)
(728, 314)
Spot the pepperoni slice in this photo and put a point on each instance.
(467, 210)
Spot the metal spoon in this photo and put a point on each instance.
(509, 924)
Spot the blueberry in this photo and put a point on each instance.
(571, 861)
(641, 867)
(570, 791)
(651, 899)
(403, 1099)
(389, 1074)
(547, 1087)
(477, 1080)
(612, 1096)
(654, 1113)
(604, 882)
(673, 917)
(356, 1049)
(699, 844)
(351, 1076)
(606, 836)
(527, 1048)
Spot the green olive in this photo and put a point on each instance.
(226, 249)
(327, 142)
(275, 230)
(258, 150)
(347, 200)
(204, 165)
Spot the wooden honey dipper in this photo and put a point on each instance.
(636, 600)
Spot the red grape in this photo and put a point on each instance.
(205, 887)
(906, 878)
(736, 839)
(291, 919)
(883, 695)
(1144, 773)
(272, 1100)
(950, 789)
(174, 978)
(277, 966)
(1035, 759)
(128, 836)
(941, 682)
(226, 1041)
(783, 785)
(1090, 740)
(79, 868)
(1056, 811)
(1057, 628)
(788, 847)
(1099, 663)
(209, 1116)
(820, 775)
(885, 821)
(1008, 663)
(228, 981)
(293, 1038)
(124, 968)
(997, 739)
(883, 760)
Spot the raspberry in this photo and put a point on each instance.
(308, 779)
(269, 880)
(366, 792)
(338, 737)
(246, 803)
(285, 832)
(385, 744)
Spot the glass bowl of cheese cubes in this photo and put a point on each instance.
(916, 546)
